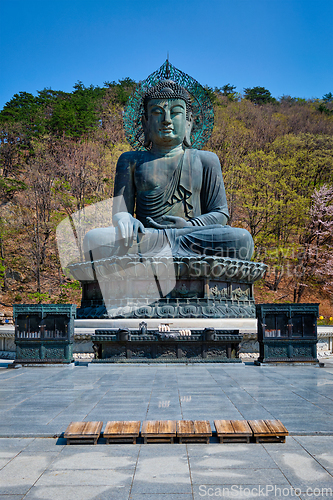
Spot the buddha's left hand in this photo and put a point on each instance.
(171, 222)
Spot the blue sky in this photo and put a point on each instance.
(283, 45)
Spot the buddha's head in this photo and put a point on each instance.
(167, 120)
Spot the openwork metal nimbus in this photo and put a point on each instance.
(202, 108)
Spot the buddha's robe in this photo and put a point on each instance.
(194, 190)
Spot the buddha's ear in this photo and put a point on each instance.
(188, 130)
(146, 132)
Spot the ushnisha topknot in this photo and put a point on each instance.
(167, 89)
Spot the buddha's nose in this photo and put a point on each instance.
(167, 117)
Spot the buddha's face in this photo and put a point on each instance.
(166, 122)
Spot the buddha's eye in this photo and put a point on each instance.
(177, 111)
(156, 111)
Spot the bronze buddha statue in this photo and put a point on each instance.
(169, 252)
(169, 197)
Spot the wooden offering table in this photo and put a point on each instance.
(83, 432)
(122, 432)
(158, 431)
(193, 431)
(233, 431)
(268, 431)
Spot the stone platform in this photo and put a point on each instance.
(167, 287)
(39, 403)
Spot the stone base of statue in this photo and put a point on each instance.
(192, 287)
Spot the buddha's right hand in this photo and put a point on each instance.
(129, 227)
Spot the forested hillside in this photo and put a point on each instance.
(58, 153)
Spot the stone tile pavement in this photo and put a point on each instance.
(38, 403)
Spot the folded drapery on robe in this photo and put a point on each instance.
(195, 190)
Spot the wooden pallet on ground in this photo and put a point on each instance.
(158, 431)
(268, 431)
(193, 431)
(121, 431)
(83, 432)
(233, 431)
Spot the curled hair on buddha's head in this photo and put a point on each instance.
(167, 89)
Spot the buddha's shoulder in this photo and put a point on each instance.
(132, 158)
(207, 158)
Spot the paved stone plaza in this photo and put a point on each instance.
(38, 403)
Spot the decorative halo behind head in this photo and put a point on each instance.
(184, 87)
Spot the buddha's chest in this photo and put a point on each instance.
(155, 174)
